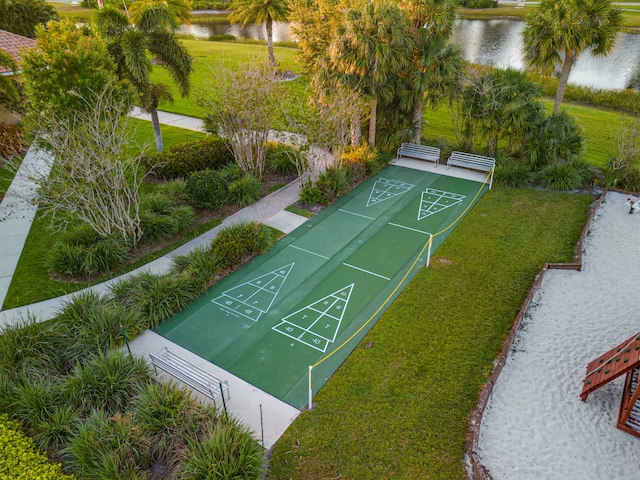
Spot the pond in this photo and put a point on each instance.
(488, 42)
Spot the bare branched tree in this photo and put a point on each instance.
(96, 173)
(239, 106)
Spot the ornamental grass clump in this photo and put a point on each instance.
(236, 242)
(245, 191)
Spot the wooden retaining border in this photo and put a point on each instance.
(475, 470)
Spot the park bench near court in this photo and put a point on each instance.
(420, 152)
(204, 382)
(473, 162)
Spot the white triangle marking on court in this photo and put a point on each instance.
(317, 324)
(253, 298)
(434, 201)
(386, 188)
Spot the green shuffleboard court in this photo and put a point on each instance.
(316, 293)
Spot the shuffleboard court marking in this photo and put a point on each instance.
(409, 228)
(356, 214)
(366, 271)
(309, 252)
(317, 324)
(434, 201)
(386, 188)
(253, 298)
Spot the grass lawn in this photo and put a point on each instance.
(398, 407)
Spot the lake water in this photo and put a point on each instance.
(489, 42)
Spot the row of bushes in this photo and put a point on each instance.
(96, 409)
(213, 153)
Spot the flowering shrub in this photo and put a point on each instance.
(19, 459)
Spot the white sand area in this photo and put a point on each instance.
(535, 426)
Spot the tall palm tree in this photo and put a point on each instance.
(259, 11)
(129, 44)
(436, 64)
(370, 46)
(560, 30)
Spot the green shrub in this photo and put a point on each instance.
(156, 296)
(108, 447)
(245, 190)
(513, 174)
(232, 172)
(183, 160)
(234, 243)
(207, 189)
(160, 217)
(284, 159)
(559, 176)
(95, 324)
(174, 190)
(310, 193)
(107, 382)
(333, 183)
(227, 451)
(32, 348)
(200, 265)
(358, 162)
(82, 251)
(20, 460)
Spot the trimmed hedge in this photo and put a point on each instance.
(183, 160)
(19, 459)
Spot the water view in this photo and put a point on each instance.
(488, 42)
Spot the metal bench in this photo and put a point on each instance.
(421, 152)
(204, 382)
(472, 161)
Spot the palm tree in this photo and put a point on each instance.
(129, 44)
(436, 64)
(370, 46)
(181, 9)
(559, 31)
(259, 11)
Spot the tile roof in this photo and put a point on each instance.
(13, 44)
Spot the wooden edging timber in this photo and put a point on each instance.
(475, 470)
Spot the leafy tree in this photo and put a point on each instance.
(368, 47)
(559, 31)
(239, 104)
(10, 97)
(259, 11)
(22, 16)
(67, 66)
(129, 44)
(313, 23)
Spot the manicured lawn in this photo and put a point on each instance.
(399, 405)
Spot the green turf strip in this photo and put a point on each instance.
(273, 318)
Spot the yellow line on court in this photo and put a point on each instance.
(403, 278)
